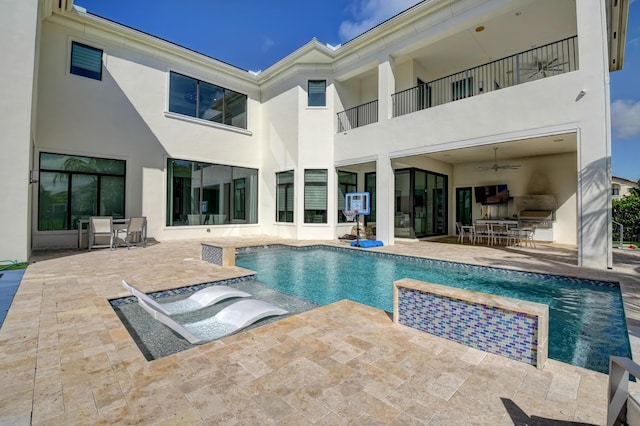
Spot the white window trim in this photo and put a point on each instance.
(208, 123)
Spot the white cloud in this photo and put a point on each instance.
(369, 13)
(267, 44)
(625, 118)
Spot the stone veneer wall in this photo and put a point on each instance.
(512, 328)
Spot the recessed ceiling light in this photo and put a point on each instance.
(479, 29)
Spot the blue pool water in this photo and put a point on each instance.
(586, 318)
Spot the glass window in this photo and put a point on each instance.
(284, 197)
(86, 61)
(210, 194)
(317, 92)
(75, 187)
(347, 182)
(195, 98)
(315, 196)
(615, 190)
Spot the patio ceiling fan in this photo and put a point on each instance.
(542, 68)
(495, 167)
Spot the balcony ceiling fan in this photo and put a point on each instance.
(495, 167)
(542, 67)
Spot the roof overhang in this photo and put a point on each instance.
(617, 18)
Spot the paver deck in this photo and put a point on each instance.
(66, 358)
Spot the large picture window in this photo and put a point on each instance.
(315, 196)
(195, 98)
(284, 196)
(74, 187)
(210, 194)
(347, 182)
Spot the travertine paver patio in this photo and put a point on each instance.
(67, 359)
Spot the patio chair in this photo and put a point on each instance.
(623, 407)
(483, 230)
(134, 234)
(231, 319)
(499, 233)
(200, 299)
(100, 227)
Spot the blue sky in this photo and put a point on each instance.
(254, 34)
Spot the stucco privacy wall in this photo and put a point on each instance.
(124, 117)
(19, 47)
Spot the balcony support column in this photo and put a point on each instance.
(386, 87)
(385, 184)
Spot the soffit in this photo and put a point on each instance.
(506, 31)
(533, 147)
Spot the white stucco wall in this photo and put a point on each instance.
(124, 116)
(19, 47)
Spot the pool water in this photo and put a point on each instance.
(586, 318)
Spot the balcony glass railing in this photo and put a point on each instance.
(544, 61)
(359, 116)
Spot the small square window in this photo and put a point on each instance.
(317, 92)
(86, 61)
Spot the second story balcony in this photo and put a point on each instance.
(358, 116)
(540, 62)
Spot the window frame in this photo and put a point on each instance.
(229, 97)
(346, 188)
(311, 214)
(311, 95)
(79, 70)
(186, 197)
(288, 211)
(70, 225)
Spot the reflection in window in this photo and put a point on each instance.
(315, 196)
(195, 98)
(74, 187)
(284, 197)
(347, 182)
(210, 194)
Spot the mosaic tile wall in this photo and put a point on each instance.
(212, 254)
(495, 330)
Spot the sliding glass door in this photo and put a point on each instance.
(420, 204)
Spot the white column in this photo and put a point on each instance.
(594, 139)
(18, 44)
(386, 88)
(385, 184)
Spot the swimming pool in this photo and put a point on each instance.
(586, 317)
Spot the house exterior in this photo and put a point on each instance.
(621, 187)
(101, 119)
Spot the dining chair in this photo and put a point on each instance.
(469, 231)
(100, 227)
(499, 233)
(135, 233)
(483, 230)
(460, 232)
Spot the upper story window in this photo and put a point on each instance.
(196, 98)
(615, 190)
(317, 92)
(86, 61)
